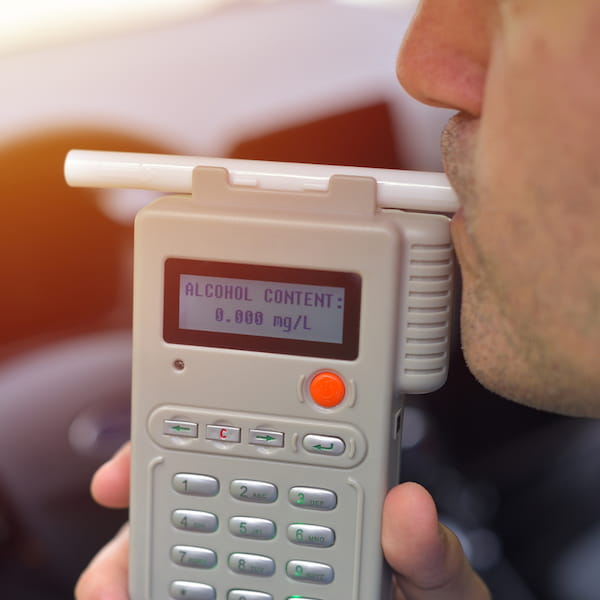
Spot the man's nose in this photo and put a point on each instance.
(443, 59)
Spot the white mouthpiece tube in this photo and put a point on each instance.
(408, 190)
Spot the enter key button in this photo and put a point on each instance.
(324, 444)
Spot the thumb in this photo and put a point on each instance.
(427, 558)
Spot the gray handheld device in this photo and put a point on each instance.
(277, 325)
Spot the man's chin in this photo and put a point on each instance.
(516, 364)
(527, 377)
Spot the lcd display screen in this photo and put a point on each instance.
(262, 308)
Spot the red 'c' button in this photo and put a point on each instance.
(327, 389)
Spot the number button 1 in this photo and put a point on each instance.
(195, 485)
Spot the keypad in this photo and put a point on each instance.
(198, 556)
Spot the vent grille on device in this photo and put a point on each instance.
(430, 272)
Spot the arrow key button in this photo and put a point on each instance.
(180, 428)
(324, 444)
(261, 437)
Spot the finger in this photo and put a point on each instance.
(106, 576)
(110, 484)
(427, 558)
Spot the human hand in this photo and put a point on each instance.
(427, 558)
(106, 576)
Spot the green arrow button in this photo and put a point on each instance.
(321, 447)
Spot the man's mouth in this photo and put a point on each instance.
(458, 150)
(458, 153)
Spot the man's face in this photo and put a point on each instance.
(523, 154)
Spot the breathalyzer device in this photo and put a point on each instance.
(281, 313)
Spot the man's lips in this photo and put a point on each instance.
(458, 150)
(458, 153)
(463, 244)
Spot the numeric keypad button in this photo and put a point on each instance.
(195, 485)
(313, 572)
(252, 527)
(248, 595)
(191, 556)
(313, 498)
(249, 490)
(189, 590)
(311, 535)
(194, 520)
(251, 564)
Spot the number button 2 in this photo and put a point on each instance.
(253, 491)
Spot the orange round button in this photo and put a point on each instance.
(327, 389)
